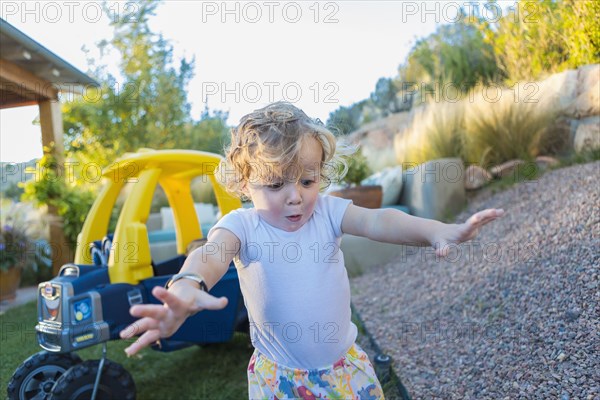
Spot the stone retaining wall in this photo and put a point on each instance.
(575, 93)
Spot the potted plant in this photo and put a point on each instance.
(68, 201)
(20, 248)
(368, 196)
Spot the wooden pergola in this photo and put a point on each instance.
(31, 74)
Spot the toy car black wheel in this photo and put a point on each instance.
(78, 382)
(35, 378)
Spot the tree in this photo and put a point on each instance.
(455, 53)
(13, 191)
(209, 134)
(148, 107)
(582, 31)
(346, 119)
(538, 38)
(384, 96)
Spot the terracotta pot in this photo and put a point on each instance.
(9, 283)
(61, 250)
(362, 196)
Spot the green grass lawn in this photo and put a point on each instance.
(216, 371)
(213, 372)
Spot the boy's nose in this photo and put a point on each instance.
(293, 195)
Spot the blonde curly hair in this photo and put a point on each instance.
(268, 141)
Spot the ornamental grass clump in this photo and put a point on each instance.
(21, 244)
(508, 127)
(436, 132)
(488, 127)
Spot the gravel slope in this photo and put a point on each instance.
(514, 314)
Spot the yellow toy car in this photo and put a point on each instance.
(88, 302)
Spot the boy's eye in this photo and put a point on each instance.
(307, 182)
(275, 185)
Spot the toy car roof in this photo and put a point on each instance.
(179, 164)
(130, 259)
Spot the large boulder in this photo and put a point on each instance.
(545, 162)
(558, 91)
(434, 189)
(506, 169)
(390, 179)
(476, 177)
(587, 136)
(376, 139)
(587, 102)
(362, 254)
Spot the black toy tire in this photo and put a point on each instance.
(37, 375)
(78, 382)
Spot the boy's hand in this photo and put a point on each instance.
(161, 321)
(458, 233)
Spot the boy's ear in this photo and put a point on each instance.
(245, 191)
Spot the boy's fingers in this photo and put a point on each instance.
(128, 332)
(168, 298)
(143, 341)
(442, 252)
(159, 292)
(165, 296)
(491, 214)
(442, 249)
(148, 310)
(138, 327)
(483, 217)
(206, 301)
(210, 302)
(484, 221)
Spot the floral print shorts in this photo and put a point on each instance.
(350, 378)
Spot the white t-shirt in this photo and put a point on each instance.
(295, 285)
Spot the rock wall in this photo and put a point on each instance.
(574, 93)
(434, 189)
(376, 139)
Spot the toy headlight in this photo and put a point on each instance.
(51, 301)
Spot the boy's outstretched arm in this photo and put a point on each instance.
(393, 226)
(183, 298)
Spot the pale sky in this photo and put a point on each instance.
(318, 55)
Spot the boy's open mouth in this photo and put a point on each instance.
(294, 218)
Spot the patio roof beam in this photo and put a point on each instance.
(25, 84)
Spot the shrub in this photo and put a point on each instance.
(507, 129)
(358, 169)
(202, 191)
(71, 201)
(537, 38)
(22, 231)
(435, 133)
